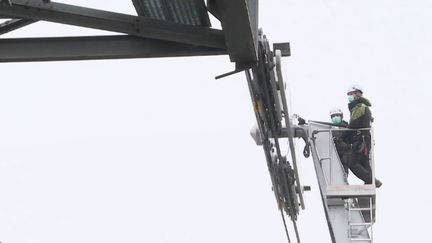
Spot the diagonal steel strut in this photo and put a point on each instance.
(14, 24)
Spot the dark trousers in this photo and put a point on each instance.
(359, 165)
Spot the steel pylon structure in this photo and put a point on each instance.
(174, 28)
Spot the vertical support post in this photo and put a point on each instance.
(372, 155)
(330, 156)
(371, 218)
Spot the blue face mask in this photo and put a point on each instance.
(350, 98)
(336, 120)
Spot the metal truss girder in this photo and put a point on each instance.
(116, 22)
(95, 47)
(239, 19)
(14, 24)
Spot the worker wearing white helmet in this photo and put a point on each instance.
(354, 91)
(343, 149)
(358, 106)
(336, 115)
(360, 117)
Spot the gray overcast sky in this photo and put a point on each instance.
(156, 150)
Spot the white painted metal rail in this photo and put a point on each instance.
(349, 218)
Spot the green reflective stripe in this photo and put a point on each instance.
(358, 111)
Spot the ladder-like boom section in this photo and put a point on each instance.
(349, 209)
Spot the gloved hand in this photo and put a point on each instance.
(301, 121)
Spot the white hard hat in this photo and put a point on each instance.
(336, 111)
(354, 87)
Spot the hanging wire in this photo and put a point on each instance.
(285, 226)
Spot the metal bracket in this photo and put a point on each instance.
(230, 73)
(284, 47)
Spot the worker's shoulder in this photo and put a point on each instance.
(361, 105)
